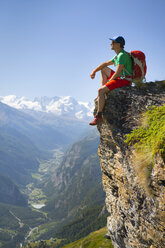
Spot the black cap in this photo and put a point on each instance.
(119, 39)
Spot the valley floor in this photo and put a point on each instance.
(93, 240)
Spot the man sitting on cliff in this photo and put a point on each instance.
(109, 79)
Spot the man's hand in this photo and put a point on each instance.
(93, 74)
(117, 73)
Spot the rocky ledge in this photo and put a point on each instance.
(137, 218)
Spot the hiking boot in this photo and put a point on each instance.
(96, 120)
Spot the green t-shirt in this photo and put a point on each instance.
(123, 58)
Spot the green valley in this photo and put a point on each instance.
(16, 223)
(48, 189)
(93, 240)
(69, 185)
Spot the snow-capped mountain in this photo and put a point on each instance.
(60, 106)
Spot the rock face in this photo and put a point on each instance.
(137, 219)
(76, 182)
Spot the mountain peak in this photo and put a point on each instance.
(60, 106)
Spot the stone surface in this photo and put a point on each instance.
(137, 218)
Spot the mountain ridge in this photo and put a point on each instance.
(59, 106)
(9, 192)
(73, 179)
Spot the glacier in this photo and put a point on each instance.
(57, 105)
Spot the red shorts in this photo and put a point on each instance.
(116, 83)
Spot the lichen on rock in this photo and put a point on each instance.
(137, 218)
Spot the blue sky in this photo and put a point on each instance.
(50, 47)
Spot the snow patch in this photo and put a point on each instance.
(60, 106)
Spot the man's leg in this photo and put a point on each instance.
(101, 97)
(101, 102)
(105, 75)
(111, 85)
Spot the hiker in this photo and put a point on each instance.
(109, 79)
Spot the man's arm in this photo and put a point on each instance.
(117, 72)
(100, 67)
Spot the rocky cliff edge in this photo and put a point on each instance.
(136, 216)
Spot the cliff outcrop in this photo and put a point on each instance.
(136, 215)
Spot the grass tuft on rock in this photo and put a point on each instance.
(148, 140)
(150, 136)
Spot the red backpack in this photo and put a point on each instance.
(139, 67)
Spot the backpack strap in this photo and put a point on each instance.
(139, 63)
(127, 77)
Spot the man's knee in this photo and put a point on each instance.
(105, 70)
(102, 91)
